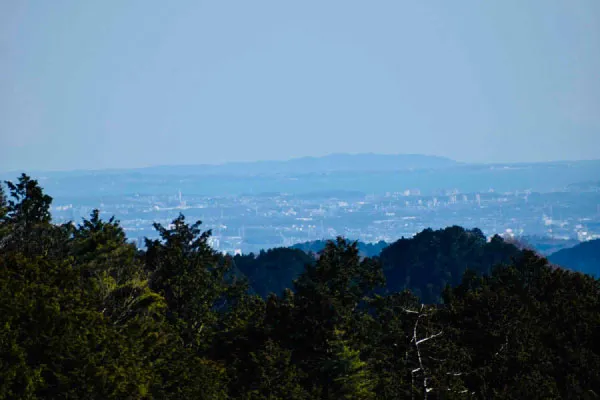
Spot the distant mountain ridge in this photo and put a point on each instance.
(585, 257)
(339, 162)
(331, 163)
(330, 174)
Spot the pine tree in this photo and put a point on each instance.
(195, 281)
(349, 377)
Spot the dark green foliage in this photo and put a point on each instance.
(329, 300)
(84, 315)
(328, 295)
(28, 205)
(273, 375)
(428, 262)
(54, 344)
(273, 270)
(77, 318)
(528, 330)
(25, 221)
(349, 376)
(386, 343)
(194, 280)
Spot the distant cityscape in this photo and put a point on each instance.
(257, 206)
(242, 224)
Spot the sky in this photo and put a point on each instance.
(115, 84)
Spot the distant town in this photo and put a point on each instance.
(251, 223)
(549, 206)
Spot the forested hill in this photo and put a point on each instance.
(274, 270)
(432, 259)
(85, 315)
(585, 257)
(423, 264)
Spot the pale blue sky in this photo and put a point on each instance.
(107, 84)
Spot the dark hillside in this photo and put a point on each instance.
(430, 260)
(273, 270)
(585, 257)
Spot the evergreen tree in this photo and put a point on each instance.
(28, 205)
(274, 376)
(195, 281)
(330, 296)
(350, 376)
(27, 213)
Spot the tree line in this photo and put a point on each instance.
(84, 314)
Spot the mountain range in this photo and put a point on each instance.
(366, 162)
(366, 173)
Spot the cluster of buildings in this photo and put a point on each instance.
(248, 223)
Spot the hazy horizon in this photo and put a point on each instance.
(282, 160)
(107, 85)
